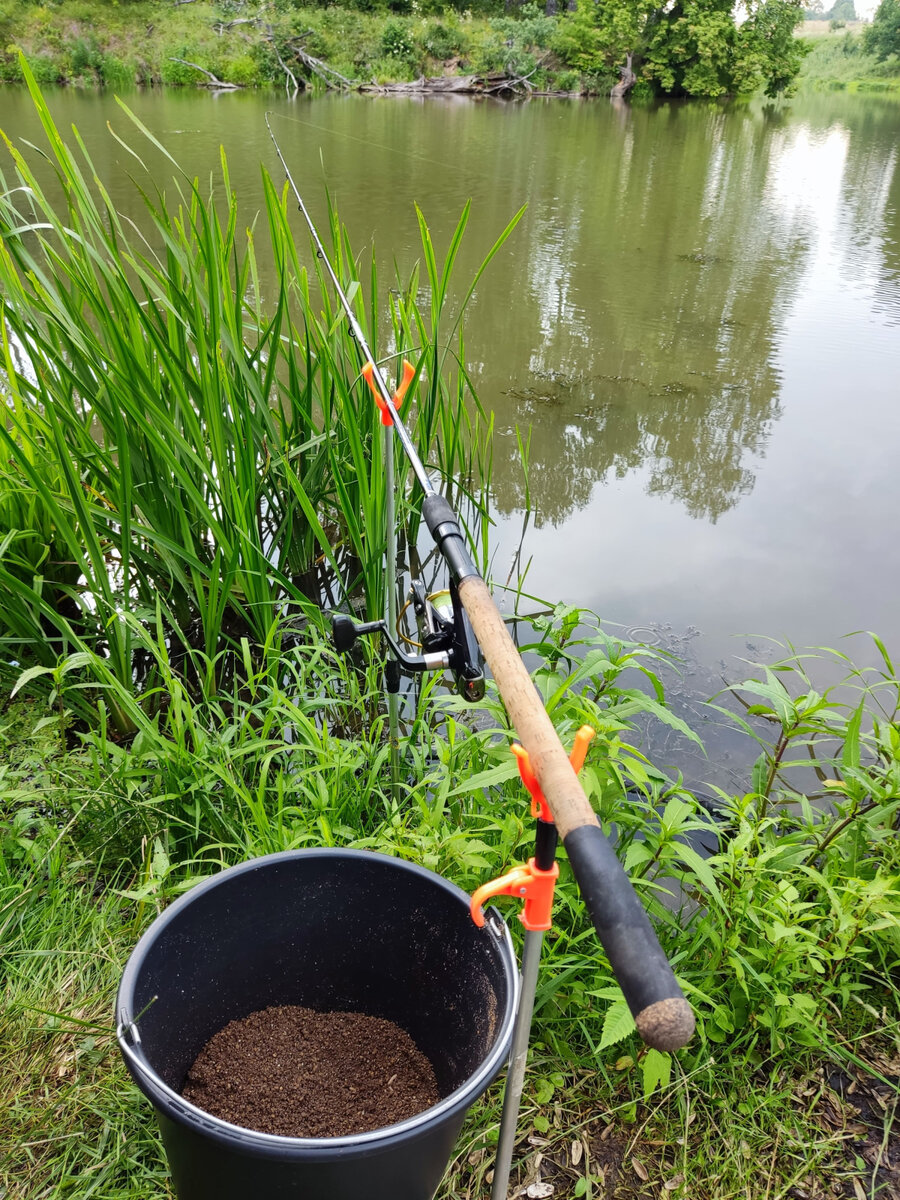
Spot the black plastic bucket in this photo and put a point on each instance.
(333, 930)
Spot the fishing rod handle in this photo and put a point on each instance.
(662, 1015)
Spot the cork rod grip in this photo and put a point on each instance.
(662, 1015)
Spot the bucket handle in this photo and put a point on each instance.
(129, 1039)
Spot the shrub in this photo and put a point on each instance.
(496, 53)
(115, 72)
(445, 41)
(531, 28)
(85, 57)
(397, 40)
(177, 72)
(242, 70)
(45, 69)
(568, 81)
(10, 71)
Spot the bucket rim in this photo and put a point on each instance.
(176, 1107)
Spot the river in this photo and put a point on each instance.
(698, 318)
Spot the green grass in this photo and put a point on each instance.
(190, 463)
(95, 840)
(837, 62)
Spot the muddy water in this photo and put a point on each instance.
(698, 319)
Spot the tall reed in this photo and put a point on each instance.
(175, 437)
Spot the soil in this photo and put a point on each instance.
(298, 1073)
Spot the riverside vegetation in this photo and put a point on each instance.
(183, 486)
(852, 61)
(688, 49)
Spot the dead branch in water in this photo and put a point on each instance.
(292, 51)
(214, 82)
(461, 85)
(294, 87)
(327, 74)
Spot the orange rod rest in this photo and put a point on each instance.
(530, 883)
(409, 372)
(539, 806)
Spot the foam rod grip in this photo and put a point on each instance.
(662, 1015)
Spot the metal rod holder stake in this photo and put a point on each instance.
(518, 1060)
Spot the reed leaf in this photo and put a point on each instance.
(174, 441)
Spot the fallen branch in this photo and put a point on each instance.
(510, 84)
(287, 70)
(481, 85)
(331, 78)
(213, 81)
(224, 26)
(325, 73)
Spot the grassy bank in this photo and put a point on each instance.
(838, 62)
(790, 1086)
(189, 471)
(88, 43)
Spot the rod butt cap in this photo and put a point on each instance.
(667, 1024)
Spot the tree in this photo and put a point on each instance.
(843, 10)
(882, 37)
(689, 47)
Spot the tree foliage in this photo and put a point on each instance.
(689, 47)
(882, 38)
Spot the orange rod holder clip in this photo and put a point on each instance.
(539, 806)
(409, 372)
(531, 883)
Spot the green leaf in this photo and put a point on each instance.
(702, 870)
(775, 693)
(760, 774)
(657, 1071)
(850, 753)
(485, 779)
(617, 1025)
(638, 701)
(27, 676)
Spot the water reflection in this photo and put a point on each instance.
(654, 308)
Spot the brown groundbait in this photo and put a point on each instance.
(292, 1071)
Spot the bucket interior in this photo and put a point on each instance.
(329, 930)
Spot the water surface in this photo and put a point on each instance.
(698, 319)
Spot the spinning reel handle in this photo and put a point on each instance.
(345, 631)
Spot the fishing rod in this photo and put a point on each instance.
(662, 1015)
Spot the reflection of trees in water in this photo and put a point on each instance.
(577, 442)
(651, 303)
(875, 223)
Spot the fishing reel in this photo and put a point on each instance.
(448, 643)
